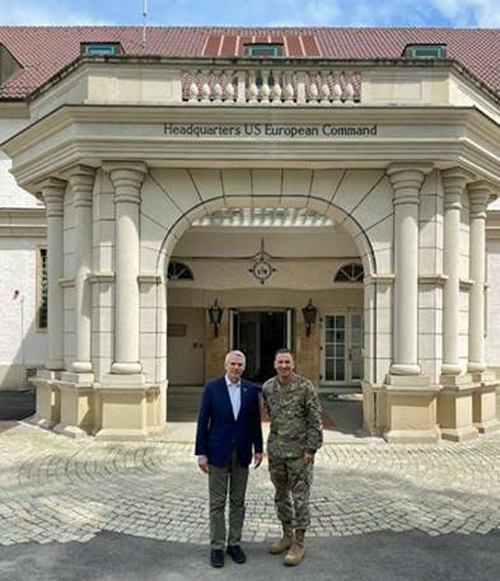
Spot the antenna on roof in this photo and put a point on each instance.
(144, 15)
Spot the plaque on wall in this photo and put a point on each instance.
(176, 330)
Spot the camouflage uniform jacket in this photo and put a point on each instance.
(295, 414)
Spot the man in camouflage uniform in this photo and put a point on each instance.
(294, 410)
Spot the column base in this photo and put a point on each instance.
(484, 407)
(70, 431)
(450, 370)
(399, 369)
(77, 404)
(411, 410)
(48, 399)
(454, 408)
(409, 436)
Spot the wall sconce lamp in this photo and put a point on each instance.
(215, 315)
(310, 312)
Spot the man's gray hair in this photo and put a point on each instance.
(234, 352)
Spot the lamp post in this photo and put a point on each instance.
(215, 314)
(310, 312)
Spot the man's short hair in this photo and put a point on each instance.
(234, 352)
(283, 351)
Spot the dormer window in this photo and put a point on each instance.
(101, 48)
(263, 50)
(425, 51)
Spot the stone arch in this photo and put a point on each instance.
(359, 200)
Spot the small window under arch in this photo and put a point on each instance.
(179, 271)
(352, 272)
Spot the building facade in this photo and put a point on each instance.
(224, 188)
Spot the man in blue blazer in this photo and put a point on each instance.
(228, 428)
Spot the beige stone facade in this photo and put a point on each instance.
(128, 167)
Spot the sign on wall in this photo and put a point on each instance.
(267, 131)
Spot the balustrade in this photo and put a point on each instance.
(271, 86)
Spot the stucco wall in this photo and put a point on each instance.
(22, 345)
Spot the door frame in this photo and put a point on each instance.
(347, 313)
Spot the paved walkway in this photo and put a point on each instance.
(53, 489)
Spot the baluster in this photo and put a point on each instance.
(217, 87)
(253, 91)
(242, 86)
(337, 90)
(289, 89)
(229, 85)
(313, 88)
(277, 91)
(325, 88)
(265, 90)
(193, 88)
(349, 90)
(205, 89)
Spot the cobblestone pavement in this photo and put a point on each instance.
(56, 489)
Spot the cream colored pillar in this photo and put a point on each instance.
(124, 390)
(406, 180)
(454, 183)
(484, 398)
(81, 179)
(47, 391)
(127, 182)
(479, 194)
(53, 196)
(77, 385)
(411, 400)
(455, 399)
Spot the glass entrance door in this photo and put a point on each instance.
(342, 361)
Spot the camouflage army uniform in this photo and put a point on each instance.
(295, 414)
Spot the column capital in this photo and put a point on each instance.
(127, 178)
(53, 194)
(81, 178)
(480, 193)
(406, 180)
(455, 181)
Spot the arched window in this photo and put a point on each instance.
(179, 271)
(350, 273)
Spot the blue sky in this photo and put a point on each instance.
(452, 13)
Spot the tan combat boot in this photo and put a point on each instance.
(297, 550)
(284, 543)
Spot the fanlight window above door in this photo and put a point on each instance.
(179, 271)
(350, 273)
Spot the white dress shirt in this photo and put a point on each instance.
(234, 391)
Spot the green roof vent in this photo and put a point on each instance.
(101, 48)
(425, 51)
(263, 50)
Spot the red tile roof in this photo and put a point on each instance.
(43, 51)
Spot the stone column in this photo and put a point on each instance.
(454, 182)
(127, 181)
(484, 397)
(410, 398)
(81, 179)
(479, 195)
(48, 399)
(406, 180)
(124, 391)
(53, 196)
(454, 410)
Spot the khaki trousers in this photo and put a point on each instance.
(234, 477)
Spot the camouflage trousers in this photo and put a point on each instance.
(292, 480)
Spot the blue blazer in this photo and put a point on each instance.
(217, 427)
